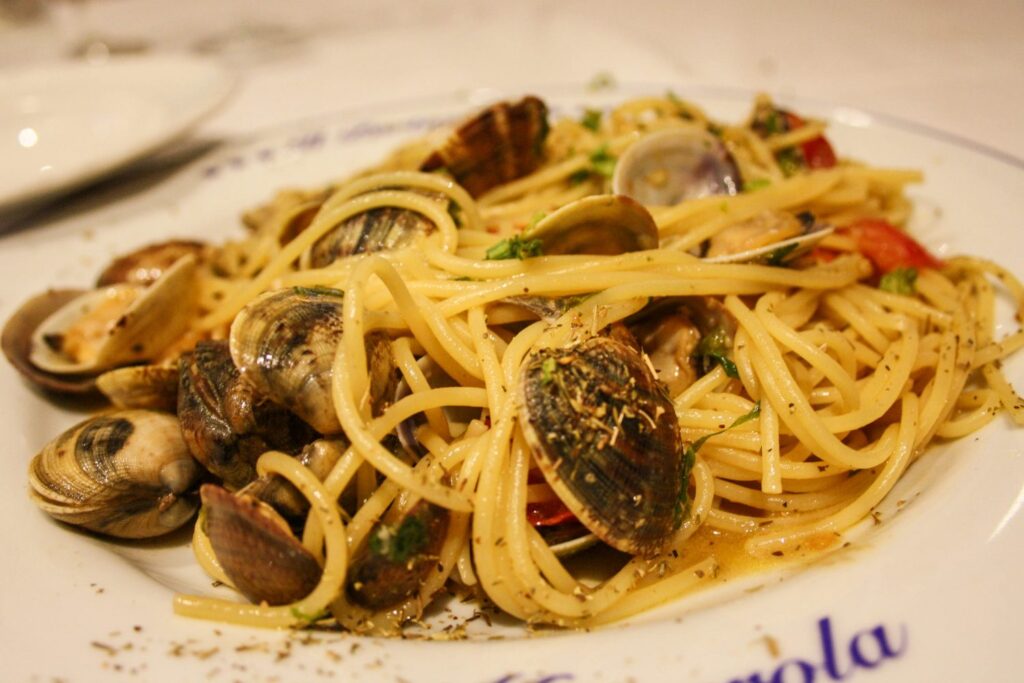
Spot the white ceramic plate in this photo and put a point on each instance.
(932, 593)
(64, 124)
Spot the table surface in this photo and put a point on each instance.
(954, 66)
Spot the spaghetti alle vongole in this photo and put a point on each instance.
(460, 367)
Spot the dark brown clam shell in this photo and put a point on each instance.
(606, 438)
(398, 558)
(498, 145)
(17, 343)
(256, 549)
(226, 422)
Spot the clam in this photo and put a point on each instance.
(684, 338)
(605, 436)
(319, 457)
(769, 238)
(284, 341)
(670, 166)
(127, 474)
(457, 417)
(398, 557)
(256, 549)
(149, 387)
(600, 224)
(381, 229)
(17, 343)
(117, 325)
(146, 265)
(501, 143)
(225, 421)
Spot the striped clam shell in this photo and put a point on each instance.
(127, 474)
(605, 436)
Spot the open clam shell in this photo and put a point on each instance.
(17, 343)
(116, 325)
(600, 224)
(780, 252)
(669, 166)
(605, 436)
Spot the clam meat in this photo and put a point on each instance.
(117, 325)
(600, 224)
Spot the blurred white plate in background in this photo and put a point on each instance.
(66, 123)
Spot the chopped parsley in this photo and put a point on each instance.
(308, 618)
(900, 281)
(602, 163)
(714, 348)
(547, 370)
(690, 457)
(591, 119)
(398, 545)
(790, 160)
(514, 247)
(455, 211)
(778, 257)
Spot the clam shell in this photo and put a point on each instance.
(393, 565)
(156, 316)
(283, 342)
(600, 224)
(146, 265)
(148, 387)
(605, 436)
(126, 474)
(226, 422)
(256, 549)
(17, 343)
(501, 143)
(669, 166)
(381, 229)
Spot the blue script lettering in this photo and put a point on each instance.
(867, 650)
(544, 678)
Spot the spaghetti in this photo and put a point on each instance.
(838, 368)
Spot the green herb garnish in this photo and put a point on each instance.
(455, 211)
(756, 184)
(900, 281)
(790, 161)
(682, 510)
(579, 176)
(591, 119)
(308, 618)
(547, 370)
(601, 162)
(398, 545)
(514, 247)
(778, 257)
(713, 348)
